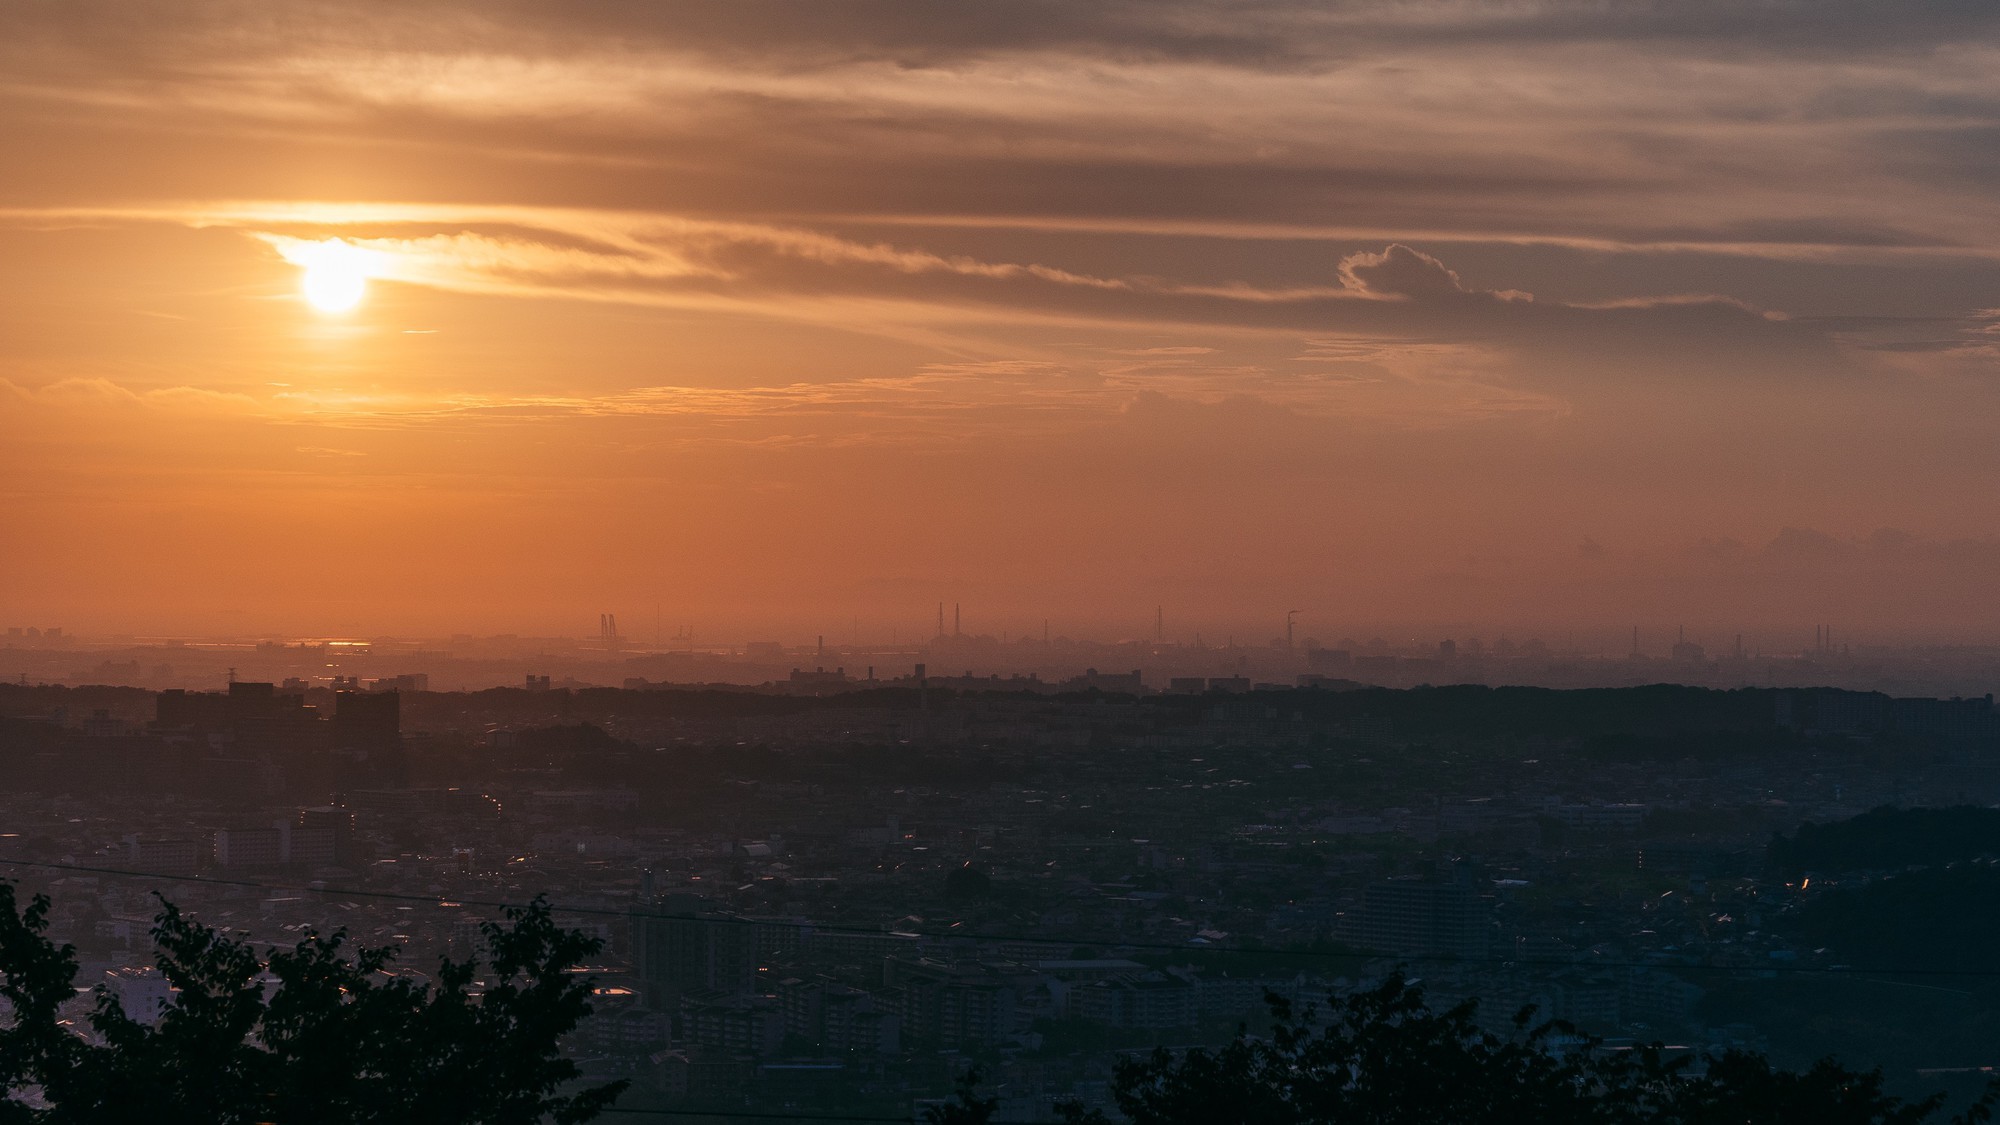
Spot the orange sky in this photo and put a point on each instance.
(776, 316)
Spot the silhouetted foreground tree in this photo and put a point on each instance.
(1890, 838)
(965, 1106)
(1383, 1057)
(316, 1034)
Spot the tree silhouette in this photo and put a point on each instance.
(965, 1106)
(1384, 1057)
(311, 1035)
(322, 1033)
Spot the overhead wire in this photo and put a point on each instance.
(751, 1115)
(1073, 941)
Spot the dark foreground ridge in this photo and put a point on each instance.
(322, 1033)
(832, 905)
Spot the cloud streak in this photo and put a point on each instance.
(788, 272)
(1835, 129)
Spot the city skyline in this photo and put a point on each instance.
(961, 659)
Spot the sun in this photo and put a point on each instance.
(336, 274)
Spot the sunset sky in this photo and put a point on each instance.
(779, 316)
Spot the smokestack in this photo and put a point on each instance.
(955, 630)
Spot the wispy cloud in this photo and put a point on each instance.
(903, 290)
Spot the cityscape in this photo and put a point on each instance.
(830, 891)
(895, 562)
(1037, 662)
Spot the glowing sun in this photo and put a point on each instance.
(336, 274)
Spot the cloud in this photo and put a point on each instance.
(1806, 544)
(1397, 298)
(1886, 553)
(1399, 271)
(1247, 34)
(643, 259)
(1735, 129)
(89, 394)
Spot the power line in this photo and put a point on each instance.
(746, 1115)
(1072, 940)
(752, 1115)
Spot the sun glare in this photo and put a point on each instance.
(336, 274)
